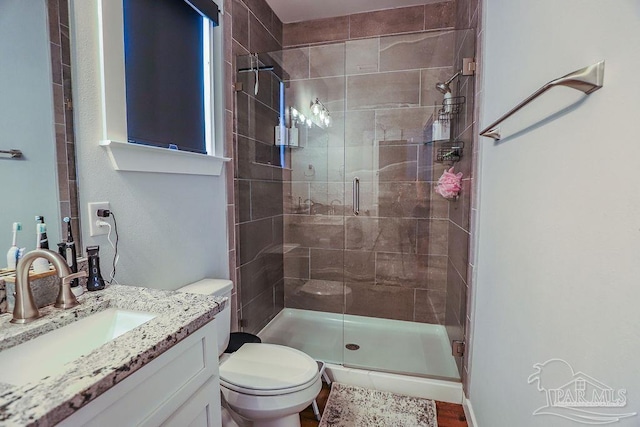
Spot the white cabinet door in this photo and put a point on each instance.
(201, 410)
(151, 395)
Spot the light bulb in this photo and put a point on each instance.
(302, 118)
(309, 122)
(327, 121)
(294, 112)
(316, 108)
(322, 115)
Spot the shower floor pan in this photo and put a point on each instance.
(390, 355)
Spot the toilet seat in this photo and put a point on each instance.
(267, 370)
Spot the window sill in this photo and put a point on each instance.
(143, 158)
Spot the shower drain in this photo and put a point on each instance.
(352, 346)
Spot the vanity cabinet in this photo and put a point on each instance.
(179, 388)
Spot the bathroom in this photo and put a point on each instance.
(511, 251)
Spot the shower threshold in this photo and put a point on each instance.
(388, 355)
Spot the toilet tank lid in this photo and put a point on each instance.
(209, 287)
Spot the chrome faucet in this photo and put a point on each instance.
(25, 309)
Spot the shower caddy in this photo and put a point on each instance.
(447, 114)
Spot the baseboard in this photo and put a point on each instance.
(468, 412)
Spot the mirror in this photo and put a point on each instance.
(36, 118)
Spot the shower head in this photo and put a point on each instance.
(444, 88)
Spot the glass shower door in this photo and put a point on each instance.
(373, 258)
(314, 197)
(396, 228)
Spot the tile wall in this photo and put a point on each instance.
(410, 246)
(393, 258)
(254, 179)
(58, 14)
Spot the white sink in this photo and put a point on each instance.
(48, 354)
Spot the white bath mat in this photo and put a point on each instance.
(350, 406)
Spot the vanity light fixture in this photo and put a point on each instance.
(320, 113)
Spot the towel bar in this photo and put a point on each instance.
(13, 153)
(587, 80)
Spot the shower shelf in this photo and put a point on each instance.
(447, 115)
(269, 165)
(449, 151)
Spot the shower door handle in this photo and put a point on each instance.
(356, 196)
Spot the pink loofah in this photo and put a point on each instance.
(449, 184)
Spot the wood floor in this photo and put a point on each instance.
(449, 414)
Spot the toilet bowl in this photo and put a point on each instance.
(266, 385)
(269, 384)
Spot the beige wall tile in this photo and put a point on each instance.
(266, 199)
(362, 56)
(327, 60)
(296, 263)
(314, 231)
(430, 306)
(398, 163)
(260, 39)
(366, 301)
(254, 237)
(433, 238)
(391, 21)
(297, 296)
(440, 15)
(459, 248)
(413, 51)
(258, 312)
(320, 30)
(296, 63)
(403, 199)
(240, 26)
(429, 95)
(405, 124)
(381, 234)
(383, 90)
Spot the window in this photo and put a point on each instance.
(113, 97)
(168, 73)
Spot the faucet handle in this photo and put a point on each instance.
(66, 298)
(68, 279)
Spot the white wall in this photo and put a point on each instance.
(173, 228)
(558, 266)
(27, 124)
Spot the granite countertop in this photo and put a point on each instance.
(51, 399)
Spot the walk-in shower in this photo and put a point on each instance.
(362, 256)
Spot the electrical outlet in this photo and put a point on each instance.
(94, 229)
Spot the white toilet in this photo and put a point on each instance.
(266, 384)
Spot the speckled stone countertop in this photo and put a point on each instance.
(50, 400)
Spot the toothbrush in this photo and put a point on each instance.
(14, 254)
(70, 254)
(17, 226)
